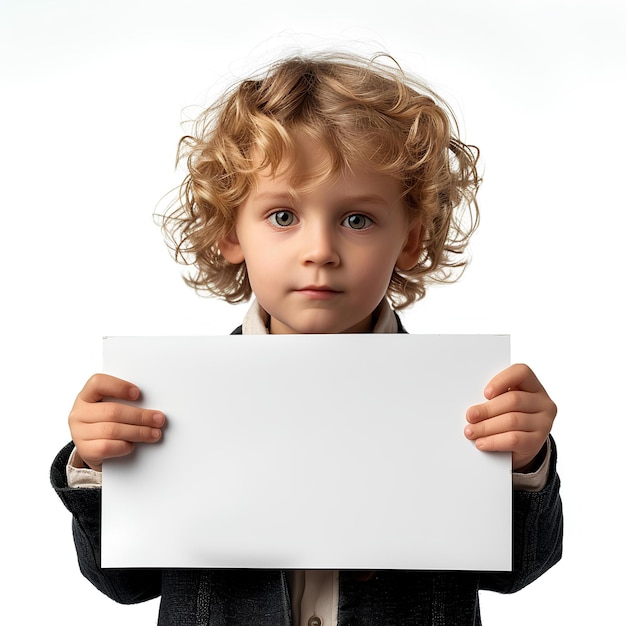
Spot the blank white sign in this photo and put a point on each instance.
(309, 451)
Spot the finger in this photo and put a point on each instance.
(114, 412)
(522, 444)
(100, 386)
(98, 442)
(518, 376)
(512, 401)
(113, 431)
(503, 442)
(94, 453)
(508, 422)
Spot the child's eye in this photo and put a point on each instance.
(282, 218)
(356, 221)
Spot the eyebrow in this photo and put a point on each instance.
(365, 198)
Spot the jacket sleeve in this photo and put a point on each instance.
(126, 586)
(537, 535)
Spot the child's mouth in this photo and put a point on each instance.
(318, 292)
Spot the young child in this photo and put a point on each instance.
(334, 189)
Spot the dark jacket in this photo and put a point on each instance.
(261, 597)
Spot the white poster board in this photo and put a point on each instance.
(309, 451)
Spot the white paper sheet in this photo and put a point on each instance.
(309, 451)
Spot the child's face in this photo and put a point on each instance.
(321, 261)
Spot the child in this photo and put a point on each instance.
(333, 189)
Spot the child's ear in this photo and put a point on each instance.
(410, 253)
(230, 248)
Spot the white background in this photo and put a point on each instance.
(93, 94)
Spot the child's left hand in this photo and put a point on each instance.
(517, 416)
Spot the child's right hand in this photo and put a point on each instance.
(104, 430)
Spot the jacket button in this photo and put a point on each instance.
(315, 621)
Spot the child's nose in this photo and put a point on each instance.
(319, 245)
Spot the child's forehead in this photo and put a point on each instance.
(291, 179)
(300, 154)
(309, 165)
(306, 165)
(306, 179)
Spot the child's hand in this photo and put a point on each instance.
(104, 430)
(517, 416)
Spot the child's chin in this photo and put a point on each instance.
(308, 327)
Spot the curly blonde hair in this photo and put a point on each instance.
(360, 111)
